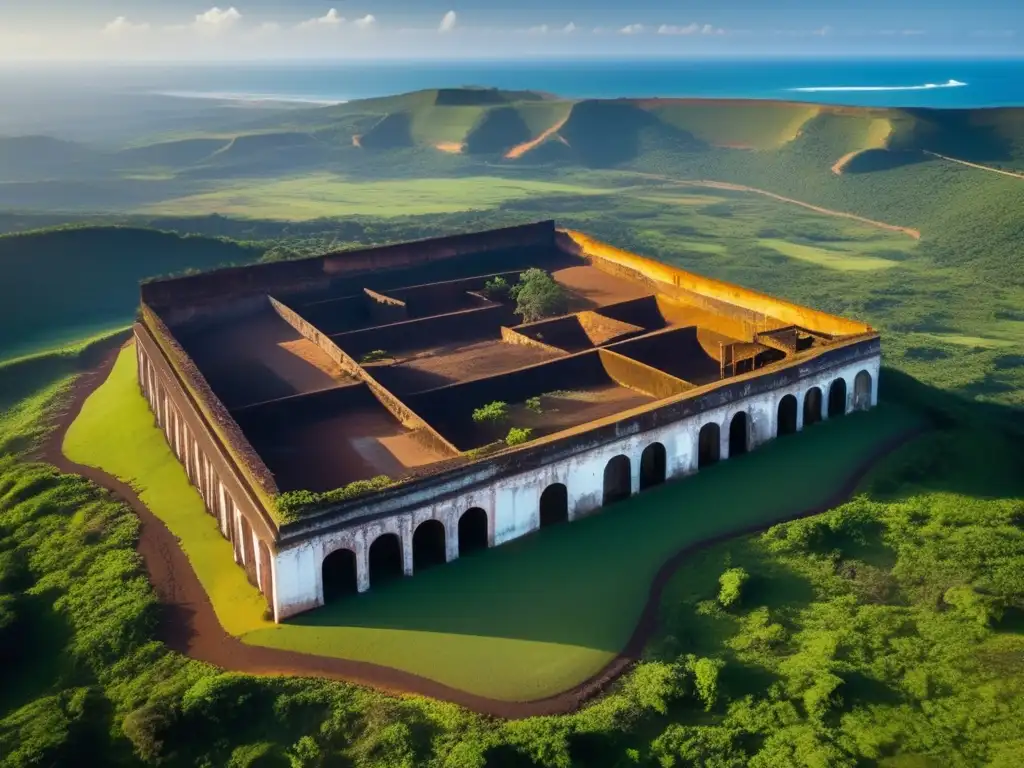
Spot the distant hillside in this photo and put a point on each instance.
(87, 277)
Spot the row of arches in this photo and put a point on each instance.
(385, 558)
(816, 408)
(429, 539)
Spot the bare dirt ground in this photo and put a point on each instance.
(188, 624)
(337, 449)
(589, 287)
(443, 365)
(564, 410)
(521, 149)
(262, 358)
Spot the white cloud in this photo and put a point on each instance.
(632, 29)
(671, 29)
(366, 22)
(569, 28)
(708, 29)
(215, 20)
(539, 30)
(447, 22)
(122, 26)
(823, 31)
(330, 19)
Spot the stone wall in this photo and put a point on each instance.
(512, 501)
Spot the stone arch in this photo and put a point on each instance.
(554, 505)
(617, 482)
(429, 543)
(786, 424)
(339, 572)
(862, 385)
(739, 434)
(709, 445)
(812, 406)
(837, 398)
(653, 465)
(385, 558)
(266, 573)
(472, 531)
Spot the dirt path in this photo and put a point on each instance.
(914, 233)
(988, 168)
(189, 625)
(521, 149)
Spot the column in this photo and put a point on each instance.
(451, 537)
(634, 475)
(362, 564)
(405, 536)
(800, 411)
(723, 440)
(874, 388)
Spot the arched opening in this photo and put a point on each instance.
(339, 574)
(472, 531)
(554, 505)
(616, 480)
(739, 434)
(653, 462)
(862, 391)
(248, 551)
(787, 416)
(709, 445)
(428, 544)
(812, 406)
(385, 559)
(837, 399)
(266, 573)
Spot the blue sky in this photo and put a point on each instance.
(183, 29)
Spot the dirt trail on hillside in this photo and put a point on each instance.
(914, 233)
(521, 149)
(189, 625)
(969, 164)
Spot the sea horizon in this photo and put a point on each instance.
(856, 81)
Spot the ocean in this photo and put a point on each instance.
(945, 83)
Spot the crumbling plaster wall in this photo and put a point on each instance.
(512, 503)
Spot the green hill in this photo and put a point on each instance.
(59, 283)
(29, 158)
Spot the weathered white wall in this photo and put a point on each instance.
(512, 503)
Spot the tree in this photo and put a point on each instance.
(731, 583)
(538, 296)
(491, 413)
(518, 436)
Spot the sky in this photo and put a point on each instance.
(170, 30)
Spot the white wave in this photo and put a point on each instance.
(252, 98)
(924, 87)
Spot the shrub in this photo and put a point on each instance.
(491, 413)
(731, 583)
(497, 289)
(292, 504)
(518, 436)
(538, 296)
(533, 403)
(373, 357)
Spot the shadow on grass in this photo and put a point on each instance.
(585, 584)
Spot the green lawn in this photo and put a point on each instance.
(523, 621)
(327, 195)
(846, 261)
(116, 432)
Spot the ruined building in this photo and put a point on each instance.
(282, 386)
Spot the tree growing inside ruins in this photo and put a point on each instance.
(518, 436)
(538, 296)
(491, 413)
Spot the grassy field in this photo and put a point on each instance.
(115, 431)
(326, 195)
(846, 260)
(523, 621)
